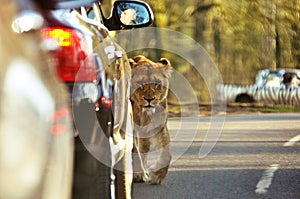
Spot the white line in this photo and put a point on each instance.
(266, 179)
(292, 141)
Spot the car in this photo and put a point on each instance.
(280, 78)
(279, 86)
(96, 71)
(36, 132)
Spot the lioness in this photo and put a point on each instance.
(149, 89)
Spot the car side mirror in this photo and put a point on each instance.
(128, 14)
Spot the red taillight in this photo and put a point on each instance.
(59, 121)
(58, 129)
(64, 37)
(59, 114)
(72, 59)
(106, 102)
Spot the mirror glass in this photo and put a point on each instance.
(132, 13)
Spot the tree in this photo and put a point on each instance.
(241, 36)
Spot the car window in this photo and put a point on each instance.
(67, 4)
(91, 13)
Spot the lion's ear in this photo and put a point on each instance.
(139, 58)
(132, 63)
(166, 66)
(165, 62)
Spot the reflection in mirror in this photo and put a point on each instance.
(132, 13)
(128, 16)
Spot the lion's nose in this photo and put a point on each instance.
(148, 99)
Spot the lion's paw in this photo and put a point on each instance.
(140, 177)
(156, 177)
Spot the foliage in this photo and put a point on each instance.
(241, 36)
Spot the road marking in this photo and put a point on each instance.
(266, 179)
(292, 141)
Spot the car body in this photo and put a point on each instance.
(36, 134)
(271, 87)
(99, 93)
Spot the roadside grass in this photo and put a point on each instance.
(263, 108)
(175, 110)
(291, 109)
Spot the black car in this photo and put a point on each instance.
(97, 72)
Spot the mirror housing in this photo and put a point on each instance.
(128, 14)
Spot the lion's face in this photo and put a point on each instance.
(149, 87)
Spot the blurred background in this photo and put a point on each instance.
(241, 36)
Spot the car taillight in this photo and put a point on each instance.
(103, 102)
(107, 102)
(58, 121)
(72, 59)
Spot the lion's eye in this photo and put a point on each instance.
(157, 82)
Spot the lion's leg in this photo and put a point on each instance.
(140, 150)
(159, 171)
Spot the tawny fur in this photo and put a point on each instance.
(149, 91)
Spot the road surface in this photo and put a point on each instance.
(256, 156)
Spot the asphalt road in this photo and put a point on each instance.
(256, 156)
